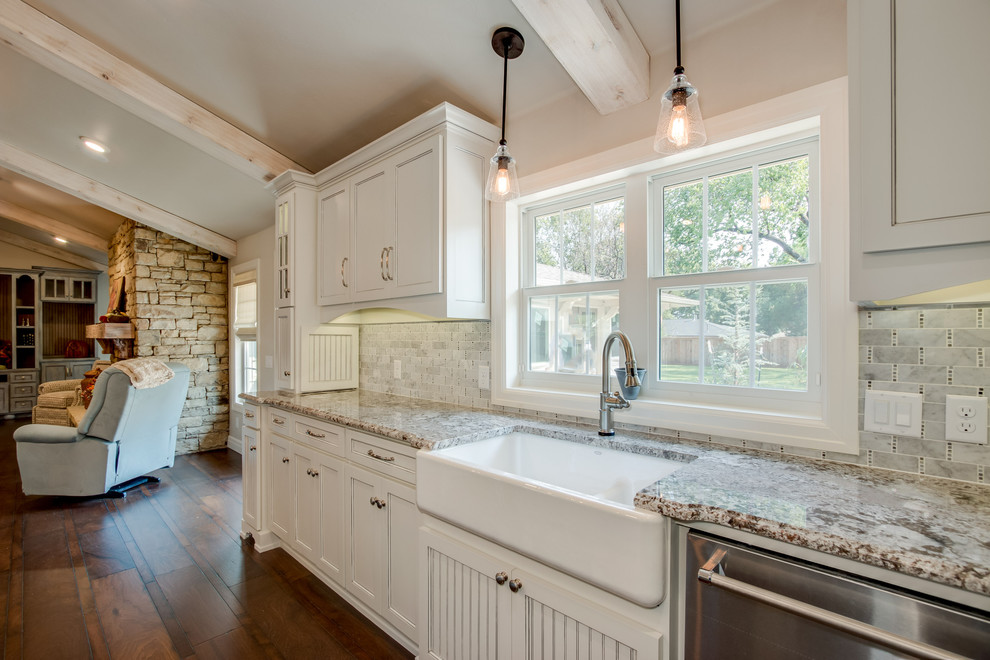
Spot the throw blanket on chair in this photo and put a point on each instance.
(144, 372)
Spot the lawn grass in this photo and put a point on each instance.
(774, 378)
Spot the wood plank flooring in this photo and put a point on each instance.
(161, 573)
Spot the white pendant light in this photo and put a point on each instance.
(680, 126)
(502, 182)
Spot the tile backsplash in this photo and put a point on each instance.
(931, 350)
(439, 361)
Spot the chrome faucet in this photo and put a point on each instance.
(615, 400)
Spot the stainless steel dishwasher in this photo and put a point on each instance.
(742, 602)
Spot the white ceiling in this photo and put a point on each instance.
(312, 79)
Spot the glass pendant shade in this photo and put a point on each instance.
(680, 125)
(502, 182)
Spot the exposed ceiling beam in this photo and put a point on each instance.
(51, 44)
(41, 222)
(50, 251)
(596, 44)
(114, 200)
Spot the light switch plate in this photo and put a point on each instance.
(898, 413)
(966, 419)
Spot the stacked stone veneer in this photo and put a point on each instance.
(177, 299)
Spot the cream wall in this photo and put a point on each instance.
(261, 246)
(780, 48)
(12, 256)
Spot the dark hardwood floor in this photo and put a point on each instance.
(161, 573)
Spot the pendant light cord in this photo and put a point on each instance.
(506, 43)
(677, 22)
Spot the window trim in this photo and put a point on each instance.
(832, 425)
(238, 274)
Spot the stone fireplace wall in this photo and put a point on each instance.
(177, 299)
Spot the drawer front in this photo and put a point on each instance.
(386, 456)
(24, 378)
(252, 418)
(22, 405)
(23, 390)
(319, 434)
(279, 421)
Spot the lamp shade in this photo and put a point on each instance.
(502, 182)
(680, 125)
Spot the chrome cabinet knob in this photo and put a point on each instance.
(501, 577)
(285, 459)
(515, 585)
(253, 448)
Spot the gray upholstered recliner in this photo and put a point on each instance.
(125, 433)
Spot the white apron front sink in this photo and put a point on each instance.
(566, 504)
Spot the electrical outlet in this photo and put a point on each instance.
(397, 368)
(966, 419)
(484, 377)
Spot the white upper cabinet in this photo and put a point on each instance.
(919, 145)
(403, 222)
(284, 271)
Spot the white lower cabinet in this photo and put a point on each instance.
(250, 481)
(382, 528)
(478, 606)
(343, 503)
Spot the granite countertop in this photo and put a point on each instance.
(933, 528)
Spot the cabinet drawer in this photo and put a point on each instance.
(386, 456)
(22, 405)
(251, 416)
(319, 435)
(24, 378)
(23, 390)
(279, 421)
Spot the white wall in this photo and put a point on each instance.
(261, 246)
(780, 48)
(12, 256)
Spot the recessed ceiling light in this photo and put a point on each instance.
(60, 239)
(94, 145)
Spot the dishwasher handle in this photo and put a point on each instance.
(713, 574)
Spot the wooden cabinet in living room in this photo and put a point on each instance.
(920, 206)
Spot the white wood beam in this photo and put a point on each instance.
(596, 44)
(51, 44)
(50, 251)
(41, 222)
(112, 199)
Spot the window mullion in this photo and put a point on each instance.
(704, 224)
(752, 334)
(756, 216)
(702, 314)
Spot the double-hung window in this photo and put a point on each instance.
(575, 260)
(245, 340)
(737, 285)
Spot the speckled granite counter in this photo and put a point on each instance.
(937, 529)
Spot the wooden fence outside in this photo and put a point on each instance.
(778, 351)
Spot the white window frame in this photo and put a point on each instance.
(829, 423)
(241, 274)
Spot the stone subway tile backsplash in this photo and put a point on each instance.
(935, 351)
(438, 360)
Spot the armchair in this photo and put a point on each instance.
(59, 402)
(125, 433)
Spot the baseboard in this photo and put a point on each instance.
(235, 444)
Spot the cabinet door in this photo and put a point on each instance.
(373, 210)
(79, 369)
(401, 579)
(55, 371)
(923, 161)
(549, 622)
(281, 478)
(364, 536)
(250, 478)
(414, 262)
(284, 348)
(334, 245)
(284, 220)
(320, 510)
(466, 610)
(306, 538)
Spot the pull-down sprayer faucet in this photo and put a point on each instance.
(614, 400)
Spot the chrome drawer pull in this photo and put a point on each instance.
(276, 420)
(711, 574)
(249, 415)
(387, 459)
(314, 435)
